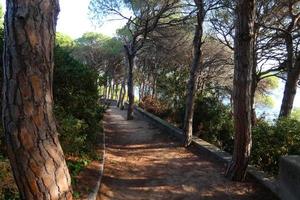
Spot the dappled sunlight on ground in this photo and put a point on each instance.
(144, 163)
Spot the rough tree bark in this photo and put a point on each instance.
(244, 41)
(293, 73)
(35, 154)
(191, 88)
(255, 77)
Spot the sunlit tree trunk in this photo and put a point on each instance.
(109, 89)
(35, 154)
(191, 88)
(244, 41)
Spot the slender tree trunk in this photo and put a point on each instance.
(120, 97)
(244, 41)
(255, 78)
(109, 89)
(252, 98)
(143, 90)
(123, 97)
(122, 92)
(293, 74)
(35, 154)
(131, 63)
(189, 108)
(112, 91)
(154, 89)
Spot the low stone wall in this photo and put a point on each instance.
(287, 187)
(289, 177)
(209, 149)
(161, 124)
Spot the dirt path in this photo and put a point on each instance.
(143, 163)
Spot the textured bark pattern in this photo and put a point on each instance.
(35, 153)
(244, 41)
(189, 109)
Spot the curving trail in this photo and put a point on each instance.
(144, 164)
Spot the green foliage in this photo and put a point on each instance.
(271, 141)
(8, 193)
(63, 40)
(171, 86)
(264, 89)
(76, 103)
(296, 114)
(213, 122)
(91, 38)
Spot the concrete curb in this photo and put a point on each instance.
(267, 181)
(93, 195)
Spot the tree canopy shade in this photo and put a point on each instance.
(34, 151)
(145, 18)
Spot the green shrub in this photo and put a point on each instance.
(212, 122)
(76, 97)
(271, 141)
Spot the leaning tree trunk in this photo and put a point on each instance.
(291, 84)
(290, 90)
(244, 41)
(35, 154)
(191, 88)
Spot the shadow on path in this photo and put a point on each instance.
(144, 163)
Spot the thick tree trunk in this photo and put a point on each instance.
(131, 63)
(191, 88)
(244, 41)
(34, 150)
(293, 74)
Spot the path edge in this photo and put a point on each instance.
(93, 195)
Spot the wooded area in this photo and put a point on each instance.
(209, 67)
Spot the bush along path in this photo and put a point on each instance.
(144, 163)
